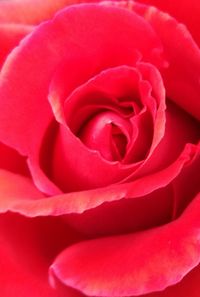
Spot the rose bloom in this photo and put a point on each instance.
(99, 148)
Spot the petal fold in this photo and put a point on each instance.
(32, 11)
(133, 264)
(78, 202)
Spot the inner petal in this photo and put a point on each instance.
(108, 127)
(102, 113)
(107, 133)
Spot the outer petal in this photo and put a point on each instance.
(181, 78)
(11, 160)
(22, 188)
(10, 35)
(78, 202)
(46, 46)
(186, 11)
(139, 213)
(189, 286)
(32, 11)
(133, 264)
(181, 128)
(27, 248)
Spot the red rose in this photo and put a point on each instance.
(100, 151)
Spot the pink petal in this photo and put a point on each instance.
(10, 35)
(78, 202)
(180, 128)
(181, 78)
(186, 185)
(187, 12)
(47, 46)
(11, 160)
(27, 247)
(32, 11)
(126, 215)
(133, 264)
(104, 91)
(14, 187)
(188, 286)
(24, 85)
(139, 213)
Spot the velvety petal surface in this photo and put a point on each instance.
(186, 11)
(11, 160)
(78, 202)
(180, 128)
(46, 46)
(188, 286)
(10, 36)
(133, 264)
(131, 99)
(181, 75)
(181, 78)
(22, 188)
(32, 11)
(27, 247)
(139, 213)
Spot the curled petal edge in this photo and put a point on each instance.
(33, 203)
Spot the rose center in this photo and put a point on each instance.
(108, 133)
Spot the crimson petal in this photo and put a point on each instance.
(181, 78)
(47, 46)
(26, 248)
(78, 202)
(133, 264)
(189, 286)
(10, 35)
(32, 11)
(187, 12)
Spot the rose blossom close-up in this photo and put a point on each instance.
(99, 148)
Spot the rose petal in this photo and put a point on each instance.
(186, 186)
(104, 91)
(180, 128)
(24, 97)
(133, 264)
(130, 215)
(47, 47)
(189, 286)
(181, 78)
(78, 202)
(187, 12)
(10, 35)
(126, 215)
(32, 11)
(27, 247)
(22, 188)
(10, 160)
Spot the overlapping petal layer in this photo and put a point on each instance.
(32, 11)
(78, 202)
(186, 11)
(181, 78)
(144, 260)
(29, 108)
(27, 247)
(11, 161)
(189, 286)
(133, 264)
(181, 75)
(132, 100)
(47, 46)
(10, 35)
